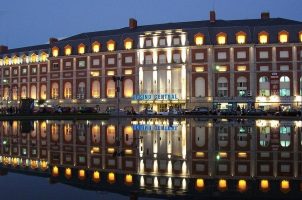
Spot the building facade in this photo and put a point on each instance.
(214, 63)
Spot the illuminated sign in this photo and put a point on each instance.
(151, 97)
(146, 127)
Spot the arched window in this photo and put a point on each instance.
(67, 90)
(128, 43)
(264, 86)
(111, 45)
(23, 92)
(222, 87)
(221, 38)
(200, 87)
(54, 90)
(263, 37)
(110, 134)
(55, 51)
(68, 50)
(15, 93)
(95, 89)
(110, 89)
(264, 140)
(33, 58)
(128, 135)
(162, 58)
(81, 90)
(199, 39)
(300, 36)
(43, 92)
(81, 48)
(128, 88)
(33, 92)
(54, 132)
(241, 37)
(283, 36)
(96, 134)
(284, 86)
(15, 60)
(285, 136)
(242, 86)
(67, 132)
(6, 93)
(43, 57)
(96, 47)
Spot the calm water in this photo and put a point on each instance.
(153, 158)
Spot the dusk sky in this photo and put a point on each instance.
(31, 22)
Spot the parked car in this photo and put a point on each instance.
(87, 110)
(256, 112)
(170, 112)
(148, 112)
(199, 111)
(118, 112)
(227, 112)
(272, 111)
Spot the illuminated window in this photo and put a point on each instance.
(111, 45)
(241, 68)
(67, 90)
(55, 51)
(128, 88)
(283, 37)
(264, 86)
(95, 90)
(199, 69)
(96, 47)
(300, 36)
(110, 73)
(128, 43)
(221, 38)
(33, 92)
(199, 39)
(95, 73)
(241, 37)
(15, 60)
(68, 50)
(128, 71)
(43, 92)
(43, 57)
(6, 61)
(33, 58)
(81, 49)
(54, 90)
(263, 37)
(110, 89)
(284, 86)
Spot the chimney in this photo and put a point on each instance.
(3, 49)
(53, 40)
(212, 16)
(132, 23)
(265, 15)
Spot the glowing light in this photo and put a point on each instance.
(155, 41)
(264, 185)
(300, 36)
(169, 40)
(242, 155)
(96, 177)
(274, 99)
(263, 38)
(283, 37)
(128, 179)
(44, 165)
(242, 186)
(284, 186)
(184, 55)
(199, 185)
(199, 69)
(128, 43)
(183, 39)
(241, 38)
(221, 38)
(81, 49)
(111, 45)
(55, 171)
(68, 50)
(222, 185)
(111, 178)
(199, 39)
(96, 47)
(241, 68)
(68, 173)
(199, 154)
(81, 174)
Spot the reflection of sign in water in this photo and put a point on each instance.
(147, 127)
(151, 97)
(274, 83)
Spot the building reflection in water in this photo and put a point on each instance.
(159, 156)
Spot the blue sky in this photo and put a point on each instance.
(31, 22)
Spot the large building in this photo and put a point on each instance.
(220, 63)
